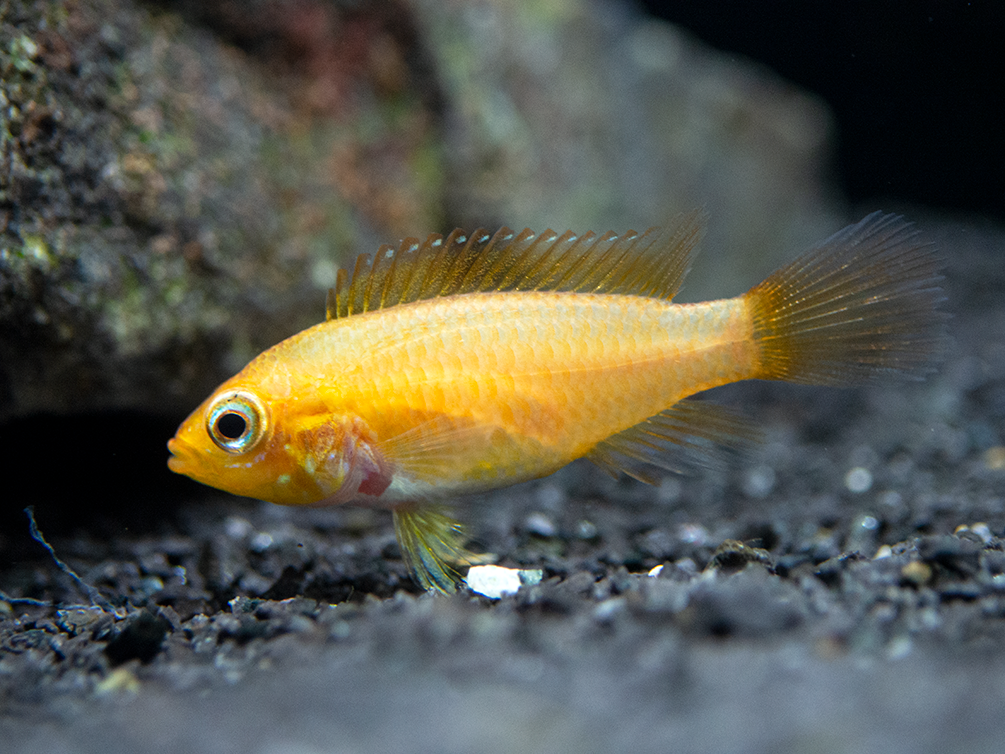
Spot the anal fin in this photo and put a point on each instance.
(691, 433)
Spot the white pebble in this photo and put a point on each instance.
(983, 531)
(609, 609)
(870, 523)
(237, 528)
(496, 581)
(759, 481)
(540, 524)
(261, 541)
(899, 647)
(892, 498)
(695, 534)
(686, 565)
(858, 479)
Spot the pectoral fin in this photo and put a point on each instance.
(429, 451)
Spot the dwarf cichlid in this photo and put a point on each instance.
(467, 363)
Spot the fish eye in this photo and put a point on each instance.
(236, 421)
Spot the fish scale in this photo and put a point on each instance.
(571, 357)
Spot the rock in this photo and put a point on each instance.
(585, 115)
(178, 186)
(733, 556)
(140, 638)
(170, 203)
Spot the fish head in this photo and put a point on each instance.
(248, 441)
(227, 443)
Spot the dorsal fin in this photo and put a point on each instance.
(649, 264)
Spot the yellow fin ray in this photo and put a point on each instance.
(862, 304)
(432, 545)
(690, 433)
(650, 264)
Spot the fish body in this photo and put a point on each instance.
(465, 364)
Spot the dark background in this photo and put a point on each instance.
(916, 87)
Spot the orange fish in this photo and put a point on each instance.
(467, 363)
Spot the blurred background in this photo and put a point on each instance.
(181, 179)
(911, 86)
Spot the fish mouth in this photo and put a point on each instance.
(177, 461)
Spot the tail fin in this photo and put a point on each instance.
(860, 305)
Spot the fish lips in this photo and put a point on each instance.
(180, 460)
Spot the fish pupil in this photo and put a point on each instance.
(231, 425)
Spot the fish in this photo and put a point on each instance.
(471, 362)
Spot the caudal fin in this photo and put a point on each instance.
(860, 305)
